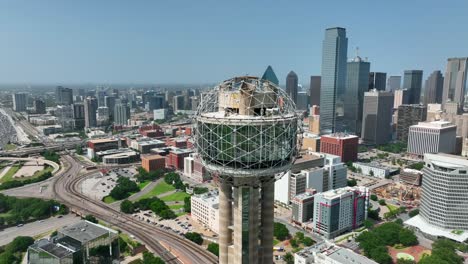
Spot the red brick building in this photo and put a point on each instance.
(153, 162)
(340, 144)
(175, 158)
(151, 131)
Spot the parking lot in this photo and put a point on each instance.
(102, 183)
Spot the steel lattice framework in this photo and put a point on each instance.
(247, 126)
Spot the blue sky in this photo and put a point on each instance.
(64, 41)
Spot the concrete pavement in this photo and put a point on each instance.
(36, 228)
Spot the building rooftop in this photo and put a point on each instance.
(56, 250)
(103, 140)
(151, 157)
(342, 191)
(446, 160)
(419, 222)
(340, 135)
(85, 231)
(435, 124)
(336, 253)
(113, 151)
(211, 198)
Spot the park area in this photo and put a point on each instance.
(414, 253)
(22, 170)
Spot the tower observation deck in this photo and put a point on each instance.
(247, 132)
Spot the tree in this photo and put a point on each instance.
(368, 224)
(380, 254)
(213, 248)
(127, 207)
(417, 166)
(289, 258)
(373, 214)
(299, 236)
(371, 173)
(352, 182)
(293, 243)
(123, 246)
(91, 219)
(280, 231)
(200, 190)
(374, 197)
(399, 221)
(79, 150)
(187, 204)
(407, 237)
(194, 237)
(413, 213)
(20, 244)
(307, 241)
(149, 258)
(382, 202)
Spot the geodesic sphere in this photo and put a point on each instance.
(246, 126)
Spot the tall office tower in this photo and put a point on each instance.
(79, 115)
(20, 101)
(409, 115)
(81, 92)
(101, 95)
(102, 116)
(432, 137)
(444, 205)
(393, 83)
(260, 122)
(413, 82)
(334, 55)
(194, 101)
(64, 114)
(377, 117)
(357, 83)
(339, 211)
(340, 144)
(109, 102)
(378, 81)
(155, 102)
(302, 101)
(291, 85)
(314, 92)
(90, 108)
(39, 106)
(433, 88)
(121, 114)
(455, 84)
(63, 95)
(178, 103)
(270, 75)
(401, 96)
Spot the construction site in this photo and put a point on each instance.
(401, 193)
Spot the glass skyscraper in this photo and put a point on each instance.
(413, 82)
(334, 55)
(357, 82)
(455, 84)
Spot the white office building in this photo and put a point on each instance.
(432, 137)
(326, 252)
(205, 210)
(374, 169)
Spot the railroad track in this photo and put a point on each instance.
(188, 251)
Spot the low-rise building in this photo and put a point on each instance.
(175, 158)
(339, 211)
(410, 176)
(326, 252)
(375, 169)
(97, 145)
(77, 243)
(144, 145)
(120, 156)
(153, 162)
(303, 207)
(311, 142)
(432, 137)
(205, 209)
(194, 169)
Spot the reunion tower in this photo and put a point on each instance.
(246, 133)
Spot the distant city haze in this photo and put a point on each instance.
(187, 42)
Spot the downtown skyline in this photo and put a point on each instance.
(152, 43)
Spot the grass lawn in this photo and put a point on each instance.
(159, 189)
(178, 196)
(392, 207)
(109, 199)
(276, 241)
(5, 214)
(176, 206)
(11, 172)
(41, 172)
(9, 147)
(142, 185)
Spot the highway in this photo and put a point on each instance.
(181, 250)
(36, 228)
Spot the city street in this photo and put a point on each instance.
(36, 228)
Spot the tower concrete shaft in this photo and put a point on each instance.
(246, 223)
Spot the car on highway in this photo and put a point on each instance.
(19, 225)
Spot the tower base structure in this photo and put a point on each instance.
(246, 208)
